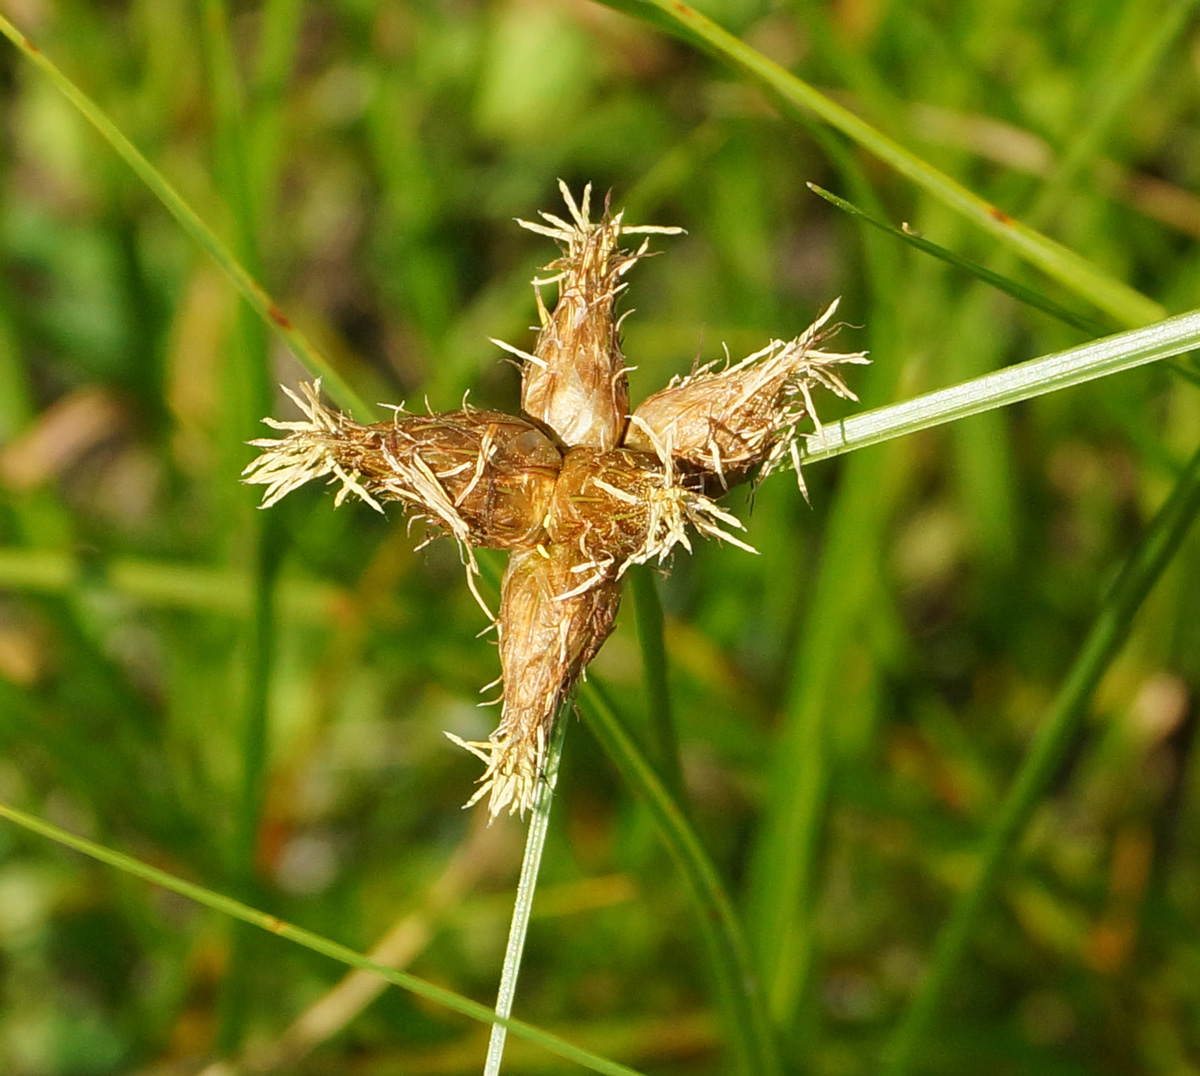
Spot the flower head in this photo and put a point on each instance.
(576, 488)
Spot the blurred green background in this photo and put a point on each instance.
(891, 650)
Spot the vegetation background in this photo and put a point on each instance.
(875, 676)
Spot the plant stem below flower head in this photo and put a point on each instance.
(535, 843)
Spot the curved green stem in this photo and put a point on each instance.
(750, 1032)
(1061, 370)
(649, 613)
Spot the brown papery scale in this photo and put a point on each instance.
(576, 489)
(554, 617)
(728, 423)
(574, 381)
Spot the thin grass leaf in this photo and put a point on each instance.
(1024, 381)
(318, 944)
(751, 1038)
(785, 867)
(1127, 305)
(251, 290)
(664, 742)
(997, 280)
(1046, 754)
(249, 395)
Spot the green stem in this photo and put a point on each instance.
(750, 1033)
(1049, 748)
(535, 844)
(1064, 369)
(664, 742)
(981, 272)
(341, 953)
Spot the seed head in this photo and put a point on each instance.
(576, 488)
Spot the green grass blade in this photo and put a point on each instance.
(247, 377)
(1049, 748)
(531, 864)
(1024, 381)
(663, 741)
(318, 944)
(751, 1037)
(996, 280)
(253, 292)
(845, 595)
(1125, 304)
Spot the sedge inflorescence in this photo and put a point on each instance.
(577, 488)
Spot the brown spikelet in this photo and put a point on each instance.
(484, 476)
(556, 610)
(622, 507)
(727, 423)
(575, 380)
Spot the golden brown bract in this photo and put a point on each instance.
(600, 501)
(556, 610)
(575, 379)
(578, 387)
(728, 423)
(498, 471)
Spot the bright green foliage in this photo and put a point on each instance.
(911, 709)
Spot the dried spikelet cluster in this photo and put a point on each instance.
(577, 489)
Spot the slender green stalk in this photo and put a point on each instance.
(1049, 748)
(785, 867)
(535, 844)
(988, 276)
(248, 395)
(253, 292)
(1071, 270)
(1024, 381)
(318, 944)
(751, 1038)
(664, 743)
